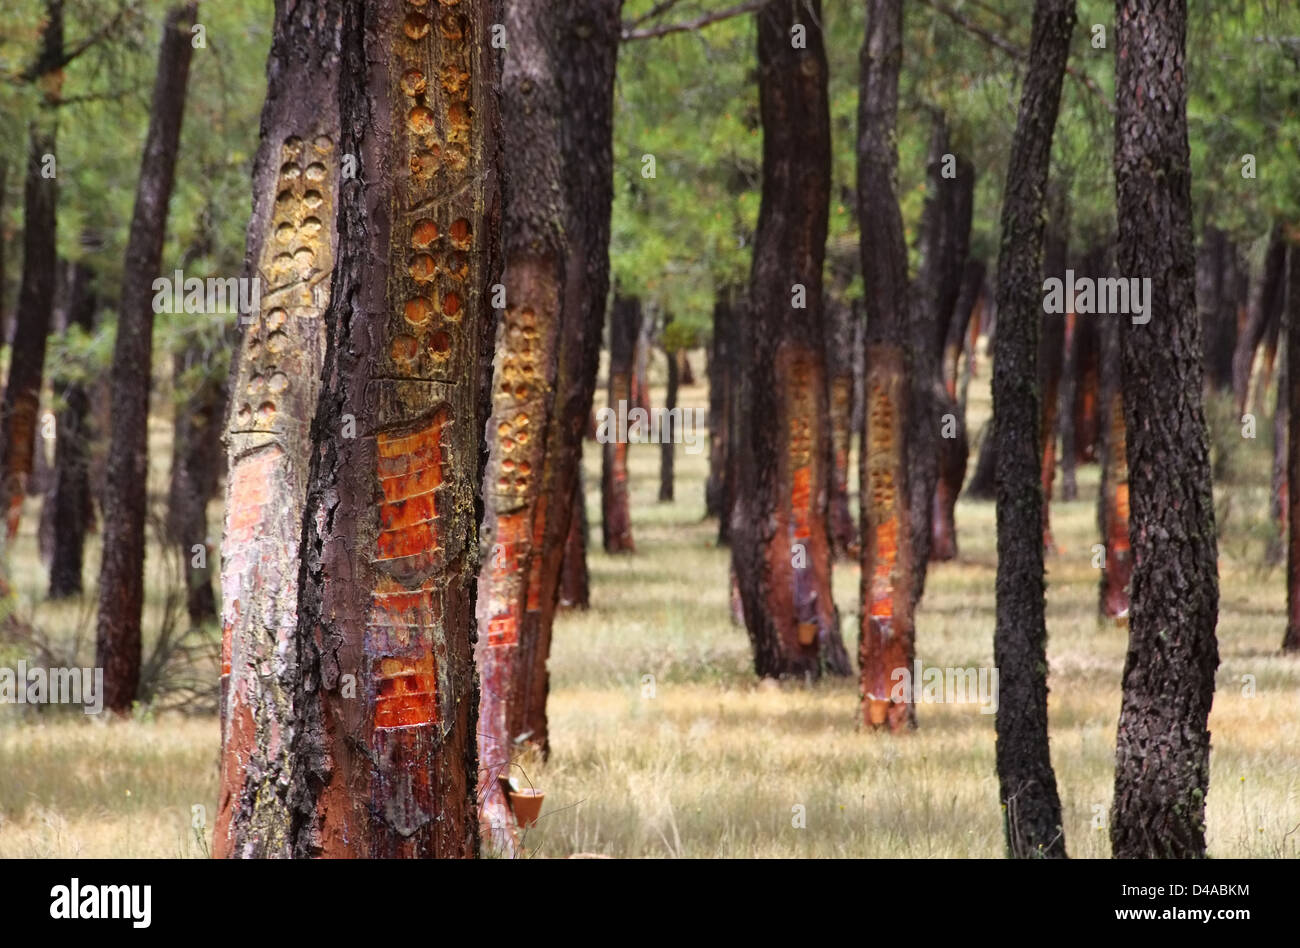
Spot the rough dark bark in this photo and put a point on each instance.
(1217, 292)
(121, 575)
(195, 472)
(781, 548)
(268, 444)
(667, 448)
(70, 499)
(1027, 784)
(390, 550)
(616, 519)
(841, 342)
(21, 402)
(722, 372)
(523, 385)
(575, 581)
(1291, 640)
(888, 577)
(590, 32)
(1163, 746)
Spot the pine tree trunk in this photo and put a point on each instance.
(1087, 391)
(839, 362)
(781, 545)
(1163, 746)
(575, 582)
(1216, 293)
(22, 394)
(668, 432)
(1051, 346)
(383, 749)
(887, 595)
(121, 575)
(1291, 640)
(722, 370)
(523, 385)
(70, 499)
(616, 519)
(1031, 808)
(195, 472)
(1112, 495)
(589, 37)
(1267, 296)
(268, 443)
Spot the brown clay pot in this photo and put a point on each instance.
(526, 804)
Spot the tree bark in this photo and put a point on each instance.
(590, 38)
(840, 383)
(1291, 640)
(723, 371)
(1265, 301)
(195, 472)
(1113, 493)
(121, 575)
(667, 432)
(1216, 292)
(268, 442)
(22, 394)
(523, 386)
(575, 582)
(1163, 745)
(1051, 345)
(781, 545)
(616, 520)
(1027, 784)
(386, 698)
(888, 579)
(70, 499)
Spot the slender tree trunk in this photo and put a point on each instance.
(839, 362)
(22, 394)
(575, 582)
(1278, 509)
(641, 367)
(668, 432)
(781, 545)
(590, 31)
(616, 519)
(523, 383)
(1051, 346)
(1216, 291)
(70, 499)
(121, 575)
(887, 594)
(1267, 296)
(1087, 391)
(1027, 784)
(1291, 641)
(1163, 746)
(722, 371)
(387, 696)
(196, 470)
(1112, 495)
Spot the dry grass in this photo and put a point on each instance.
(714, 763)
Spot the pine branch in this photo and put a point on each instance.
(701, 21)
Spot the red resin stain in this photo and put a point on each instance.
(406, 691)
(410, 471)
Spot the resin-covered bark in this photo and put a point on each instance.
(386, 700)
(781, 547)
(1291, 640)
(523, 384)
(273, 389)
(1031, 808)
(121, 575)
(887, 594)
(616, 517)
(588, 38)
(1162, 753)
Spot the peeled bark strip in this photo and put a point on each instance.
(1162, 754)
(1112, 496)
(616, 519)
(1291, 640)
(274, 386)
(781, 545)
(887, 644)
(121, 575)
(71, 501)
(1027, 785)
(386, 703)
(523, 385)
(589, 38)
